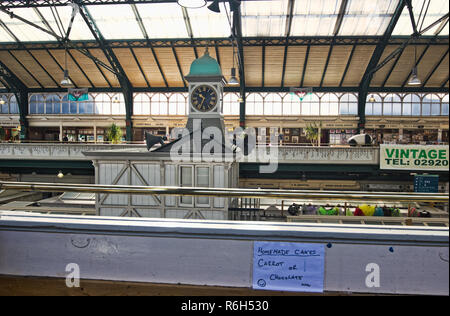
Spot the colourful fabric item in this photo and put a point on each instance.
(348, 212)
(323, 211)
(387, 211)
(378, 211)
(395, 212)
(368, 210)
(358, 212)
(309, 210)
(413, 212)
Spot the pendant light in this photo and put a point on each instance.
(233, 80)
(192, 4)
(66, 82)
(414, 80)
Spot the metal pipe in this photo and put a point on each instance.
(224, 192)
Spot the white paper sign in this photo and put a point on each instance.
(282, 266)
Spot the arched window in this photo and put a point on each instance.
(375, 107)
(348, 104)
(14, 107)
(444, 110)
(52, 104)
(68, 107)
(177, 104)
(411, 105)
(117, 104)
(291, 105)
(87, 106)
(272, 104)
(141, 104)
(102, 103)
(159, 104)
(231, 104)
(392, 105)
(5, 104)
(310, 105)
(329, 104)
(37, 103)
(431, 105)
(254, 104)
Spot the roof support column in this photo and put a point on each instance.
(125, 84)
(16, 86)
(237, 35)
(368, 75)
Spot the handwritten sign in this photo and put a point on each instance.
(294, 267)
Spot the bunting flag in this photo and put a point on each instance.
(78, 94)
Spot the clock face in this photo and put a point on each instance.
(204, 98)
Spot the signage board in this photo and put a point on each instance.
(414, 157)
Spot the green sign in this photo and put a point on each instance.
(414, 157)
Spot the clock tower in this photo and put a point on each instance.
(206, 84)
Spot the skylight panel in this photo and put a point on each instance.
(116, 21)
(264, 18)
(436, 10)
(163, 20)
(367, 18)
(23, 31)
(315, 17)
(208, 24)
(79, 31)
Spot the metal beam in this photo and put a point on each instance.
(330, 51)
(369, 73)
(81, 69)
(349, 61)
(411, 16)
(237, 35)
(25, 68)
(289, 17)
(340, 18)
(139, 66)
(223, 42)
(125, 84)
(434, 69)
(20, 90)
(6, 28)
(305, 64)
(103, 74)
(392, 68)
(179, 66)
(263, 64)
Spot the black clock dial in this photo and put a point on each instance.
(204, 98)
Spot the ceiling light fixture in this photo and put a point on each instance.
(66, 82)
(60, 174)
(192, 4)
(233, 80)
(372, 99)
(414, 80)
(214, 6)
(2, 101)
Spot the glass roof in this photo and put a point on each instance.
(264, 18)
(367, 18)
(163, 20)
(260, 18)
(315, 17)
(436, 10)
(116, 21)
